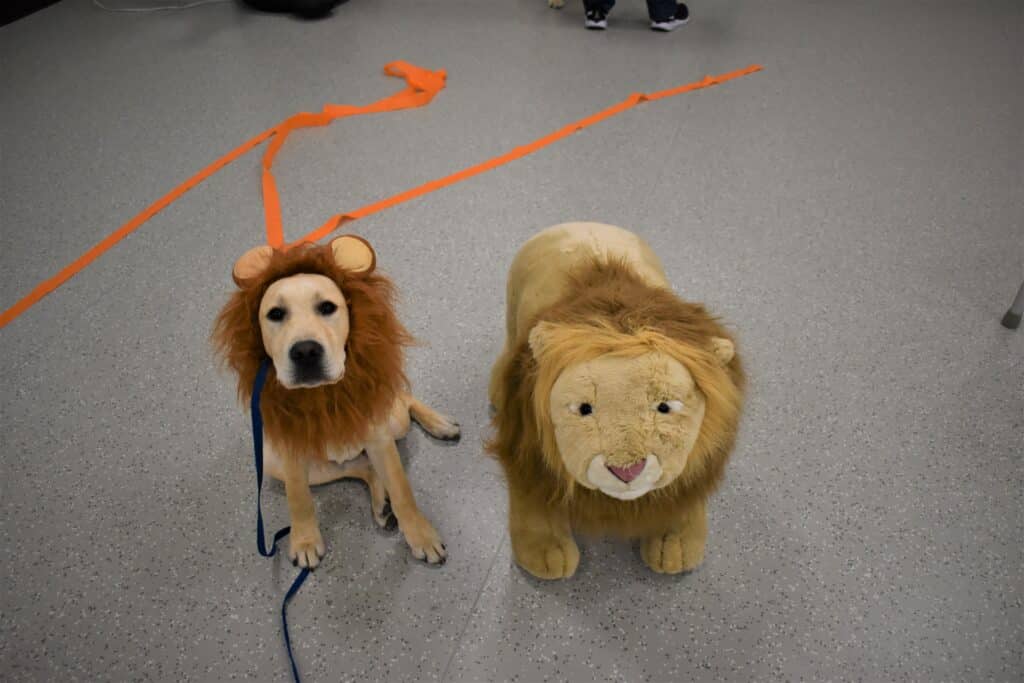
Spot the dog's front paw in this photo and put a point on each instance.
(424, 541)
(306, 547)
(548, 557)
(672, 553)
(556, 4)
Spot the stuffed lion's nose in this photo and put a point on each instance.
(306, 352)
(629, 473)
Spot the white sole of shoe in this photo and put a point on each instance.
(667, 26)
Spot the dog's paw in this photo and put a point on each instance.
(442, 427)
(434, 423)
(424, 541)
(385, 517)
(672, 553)
(448, 430)
(556, 4)
(548, 557)
(306, 548)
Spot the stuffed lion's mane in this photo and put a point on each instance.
(304, 421)
(609, 309)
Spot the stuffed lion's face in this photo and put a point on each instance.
(624, 411)
(625, 426)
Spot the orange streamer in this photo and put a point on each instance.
(76, 266)
(421, 87)
(336, 221)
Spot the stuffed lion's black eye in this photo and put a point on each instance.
(586, 409)
(664, 407)
(276, 314)
(326, 307)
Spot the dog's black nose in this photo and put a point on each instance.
(306, 353)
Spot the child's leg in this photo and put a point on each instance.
(661, 10)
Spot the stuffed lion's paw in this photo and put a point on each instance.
(672, 553)
(548, 557)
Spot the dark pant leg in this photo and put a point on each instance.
(605, 5)
(661, 10)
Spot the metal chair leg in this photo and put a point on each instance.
(1012, 318)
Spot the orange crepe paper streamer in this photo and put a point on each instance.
(422, 86)
(336, 221)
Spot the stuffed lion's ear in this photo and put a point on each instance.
(251, 264)
(723, 349)
(354, 253)
(540, 335)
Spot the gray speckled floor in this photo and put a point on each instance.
(855, 210)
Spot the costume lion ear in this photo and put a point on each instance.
(723, 349)
(354, 253)
(251, 264)
(540, 336)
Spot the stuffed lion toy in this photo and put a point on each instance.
(616, 402)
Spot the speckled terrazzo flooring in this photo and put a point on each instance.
(855, 211)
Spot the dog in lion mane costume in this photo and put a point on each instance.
(336, 396)
(616, 403)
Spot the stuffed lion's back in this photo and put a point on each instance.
(616, 402)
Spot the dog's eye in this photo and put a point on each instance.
(276, 314)
(326, 307)
(583, 409)
(666, 407)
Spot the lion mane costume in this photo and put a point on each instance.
(616, 402)
(339, 415)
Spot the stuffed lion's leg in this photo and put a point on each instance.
(680, 547)
(542, 539)
(496, 388)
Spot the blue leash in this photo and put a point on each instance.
(257, 447)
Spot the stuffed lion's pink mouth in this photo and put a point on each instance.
(628, 474)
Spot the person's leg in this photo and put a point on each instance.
(667, 15)
(661, 10)
(596, 12)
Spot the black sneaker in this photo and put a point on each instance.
(597, 20)
(681, 17)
